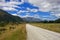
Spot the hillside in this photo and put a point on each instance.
(11, 27)
(31, 19)
(6, 18)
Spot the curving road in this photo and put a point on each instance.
(36, 33)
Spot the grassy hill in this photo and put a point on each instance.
(11, 27)
(6, 18)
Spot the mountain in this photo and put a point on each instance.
(6, 18)
(31, 19)
(57, 20)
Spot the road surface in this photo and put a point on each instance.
(36, 33)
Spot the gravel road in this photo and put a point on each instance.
(36, 33)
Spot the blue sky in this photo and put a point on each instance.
(42, 9)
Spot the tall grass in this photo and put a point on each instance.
(18, 33)
(49, 26)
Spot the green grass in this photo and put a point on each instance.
(49, 26)
(19, 33)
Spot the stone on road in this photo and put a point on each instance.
(36, 33)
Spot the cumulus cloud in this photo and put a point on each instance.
(9, 8)
(42, 4)
(27, 11)
(9, 5)
(22, 11)
(14, 14)
(52, 6)
(32, 10)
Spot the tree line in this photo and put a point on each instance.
(51, 21)
(46, 21)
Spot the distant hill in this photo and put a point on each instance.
(31, 19)
(57, 20)
(6, 18)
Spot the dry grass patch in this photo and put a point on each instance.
(50, 26)
(14, 32)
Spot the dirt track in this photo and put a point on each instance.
(36, 33)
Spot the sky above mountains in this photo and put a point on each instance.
(43, 9)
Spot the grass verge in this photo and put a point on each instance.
(49, 26)
(17, 33)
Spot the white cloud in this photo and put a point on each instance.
(9, 8)
(9, 5)
(45, 7)
(32, 10)
(22, 11)
(48, 5)
(42, 4)
(57, 15)
(14, 14)
(14, 3)
(27, 11)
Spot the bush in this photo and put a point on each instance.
(13, 27)
(2, 29)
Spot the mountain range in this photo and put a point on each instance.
(6, 18)
(31, 19)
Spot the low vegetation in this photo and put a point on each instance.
(13, 32)
(50, 26)
(11, 27)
